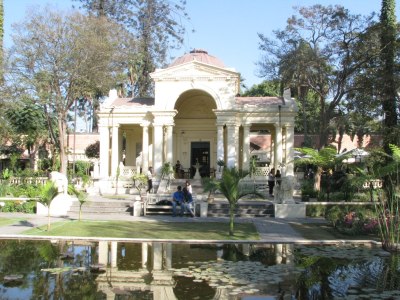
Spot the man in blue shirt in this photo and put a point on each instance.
(178, 199)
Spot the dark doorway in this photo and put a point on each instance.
(200, 152)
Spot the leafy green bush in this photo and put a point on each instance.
(333, 214)
(307, 188)
(28, 207)
(352, 219)
(315, 210)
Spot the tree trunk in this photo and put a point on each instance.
(62, 127)
(317, 182)
(48, 217)
(231, 219)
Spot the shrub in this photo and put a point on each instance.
(93, 150)
(307, 188)
(334, 214)
(28, 207)
(351, 219)
(317, 210)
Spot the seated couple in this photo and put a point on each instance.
(184, 199)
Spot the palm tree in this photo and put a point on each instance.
(48, 193)
(82, 197)
(229, 186)
(325, 159)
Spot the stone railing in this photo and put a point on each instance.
(376, 184)
(128, 171)
(27, 180)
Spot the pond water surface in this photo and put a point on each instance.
(122, 270)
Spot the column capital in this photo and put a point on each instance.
(145, 123)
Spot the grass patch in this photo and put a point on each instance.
(315, 231)
(148, 230)
(8, 221)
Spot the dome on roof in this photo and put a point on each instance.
(200, 56)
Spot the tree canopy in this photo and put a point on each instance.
(155, 25)
(58, 58)
(322, 49)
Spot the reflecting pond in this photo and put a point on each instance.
(152, 270)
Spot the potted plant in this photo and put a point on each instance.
(220, 163)
(167, 170)
(140, 181)
(210, 186)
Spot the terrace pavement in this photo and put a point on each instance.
(269, 229)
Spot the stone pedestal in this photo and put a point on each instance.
(137, 207)
(197, 173)
(288, 211)
(203, 209)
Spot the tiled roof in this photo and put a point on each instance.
(259, 101)
(198, 55)
(133, 102)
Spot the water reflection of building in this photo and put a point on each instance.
(146, 270)
(153, 277)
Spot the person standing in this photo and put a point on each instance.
(271, 181)
(179, 169)
(189, 187)
(188, 201)
(278, 177)
(178, 199)
(149, 180)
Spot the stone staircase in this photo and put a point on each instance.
(220, 207)
(106, 206)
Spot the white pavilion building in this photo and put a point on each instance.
(196, 116)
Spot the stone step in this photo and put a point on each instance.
(103, 207)
(243, 210)
(216, 215)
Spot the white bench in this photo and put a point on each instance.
(150, 205)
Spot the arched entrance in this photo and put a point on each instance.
(195, 131)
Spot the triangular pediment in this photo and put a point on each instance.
(193, 69)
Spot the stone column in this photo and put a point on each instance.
(145, 249)
(277, 147)
(114, 150)
(157, 256)
(220, 142)
(158, 147)
(114, 247)
(145, 147)
(169, 144)
(231, 144)
(289, 150)
(103, 252)
(246, 146)
(168, 255)
(104, 151)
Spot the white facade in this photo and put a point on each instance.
(196, 116)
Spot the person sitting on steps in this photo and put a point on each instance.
(178, 199)
(188, 202)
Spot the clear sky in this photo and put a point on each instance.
(226, 29)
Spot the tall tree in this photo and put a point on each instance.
(388, 89)
(389, 96)
(58, 58)
(1, 38)
(155, 25)
(28, 123)
(325, 42)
